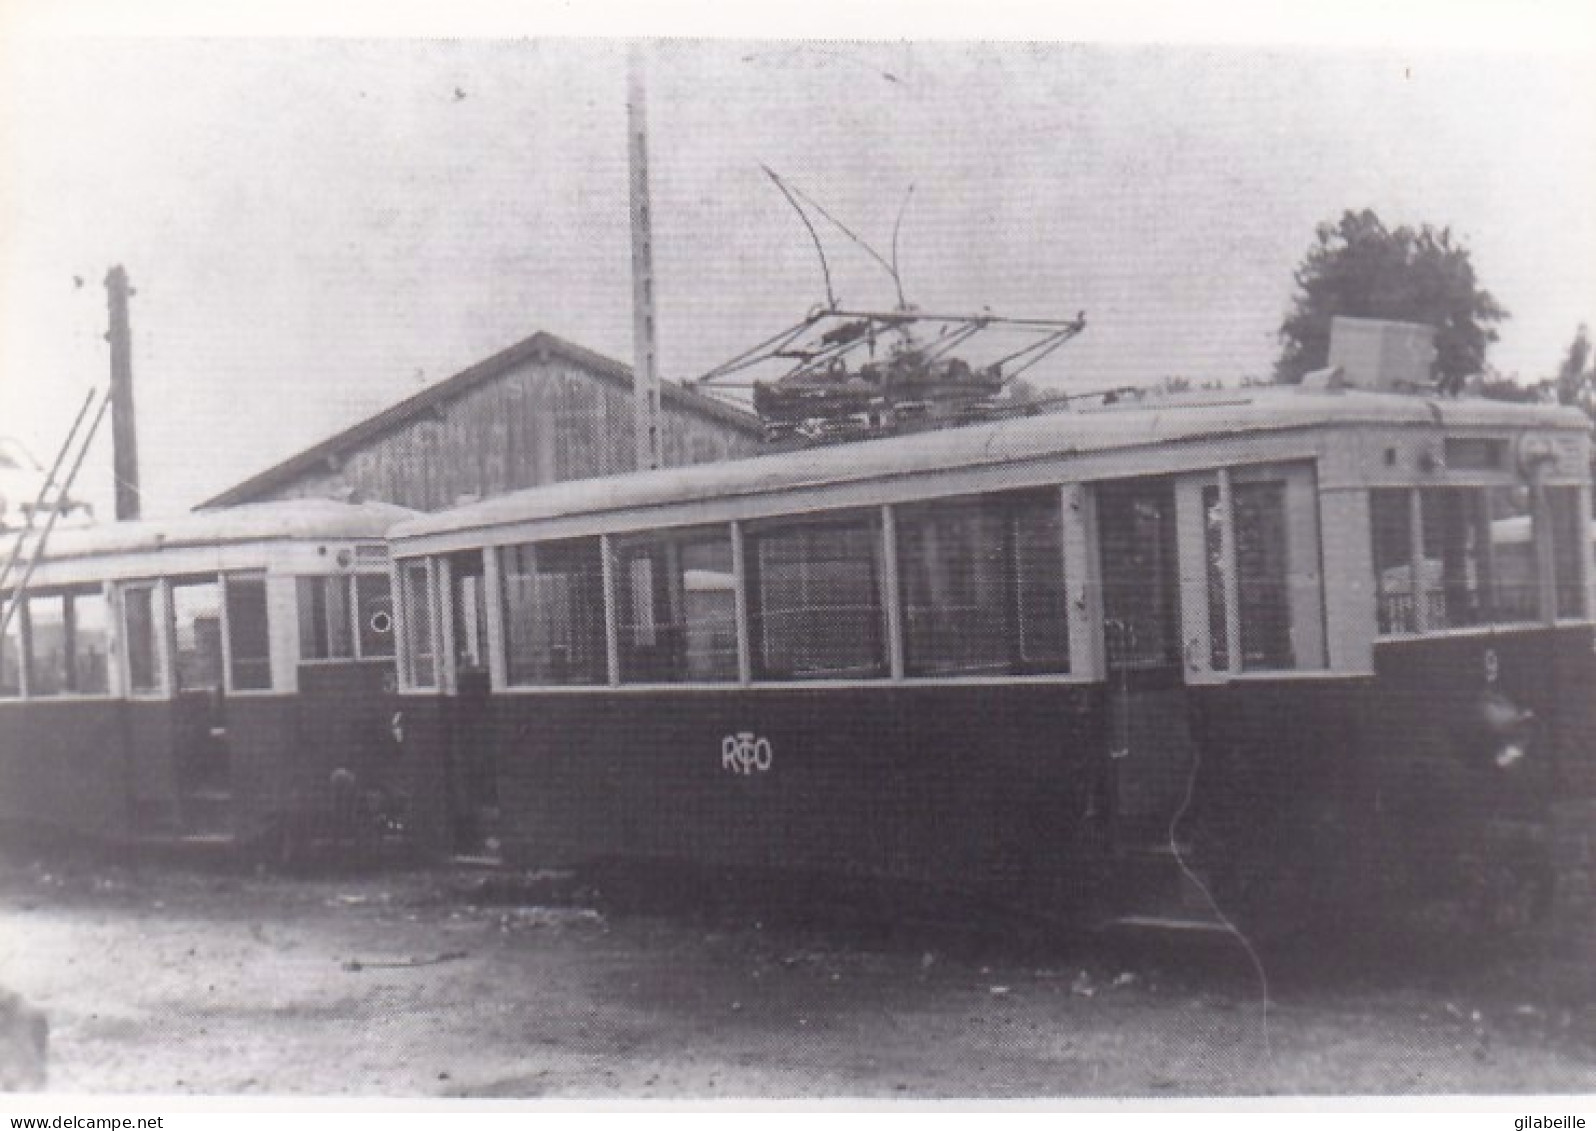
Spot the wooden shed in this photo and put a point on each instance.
(542, 411)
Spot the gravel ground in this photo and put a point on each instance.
(158, 979)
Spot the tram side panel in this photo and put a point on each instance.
(1576, 712)
(1477, 736)
(1317, 798)
(425, 732)
(348, 770)
(1281, 818)
(261, 744)
(151, 738)
(980, 788)
(63, 768)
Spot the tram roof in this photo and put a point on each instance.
(1078, 432)
(282, 520)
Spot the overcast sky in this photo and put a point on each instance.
(316, 228)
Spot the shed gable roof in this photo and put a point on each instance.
(539, 345)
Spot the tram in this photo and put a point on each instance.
(1304, 643)
(220, 677)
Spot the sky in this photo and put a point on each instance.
(317, 227)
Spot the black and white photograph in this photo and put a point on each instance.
(729, 566)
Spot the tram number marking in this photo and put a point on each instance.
(381, 622)
(1493, 666)
(743, 753)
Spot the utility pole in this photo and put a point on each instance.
(124, 434)
(645, 349)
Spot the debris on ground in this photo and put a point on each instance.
(24, 1043)
(355, 965)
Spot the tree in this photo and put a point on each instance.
(1576, 378)
(1362, 269)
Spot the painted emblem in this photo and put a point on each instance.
(744, 753)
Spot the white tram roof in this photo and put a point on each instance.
(1049, 435)
(284, 520)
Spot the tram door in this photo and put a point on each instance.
(201, 758)
(473, 786)
(1149, 734)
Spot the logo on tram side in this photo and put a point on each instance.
(743, 753)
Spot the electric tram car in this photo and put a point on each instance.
(223, 676)
(1306, 644)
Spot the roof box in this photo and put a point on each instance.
(1383, 356)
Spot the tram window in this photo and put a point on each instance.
(422, 665)
(1218, 599)
(983, 586)
(815, 607)
(89, 642)
(248, 634)
(1476, 563)
(554, 613)
(1568, 547)
(675, 602)
(10, 651)
(1262, 575)
(138, 612)
(1458, 569)
(1475, 453)
(374, 614)
(1141, 581)
(469, 610)
(67, 644)
(1391, 533)
(197, 629)
(48, 668)
(324, 629)
(1515, 577)
(1454, 572)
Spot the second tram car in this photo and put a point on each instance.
(1313, 643)
(222, 676)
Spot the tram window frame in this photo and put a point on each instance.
(1260, 539)
(878, 647)
(1569, 548)
(44, 681)
(105, 682)
(316, 611)
(1266, 616)
(1431, 515)
(70, 679)
(1391, 526)
(527, 617)
(143, 651)
(660, 647)
(320, 640)
(13, 658)
(243, 672)
(382, 604)
(419, 668)
(988, 569)
(175, 632)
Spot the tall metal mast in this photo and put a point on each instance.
(645, 350)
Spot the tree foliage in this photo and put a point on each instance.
(1576, 377)
(1575, 383)
(1360, 268)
